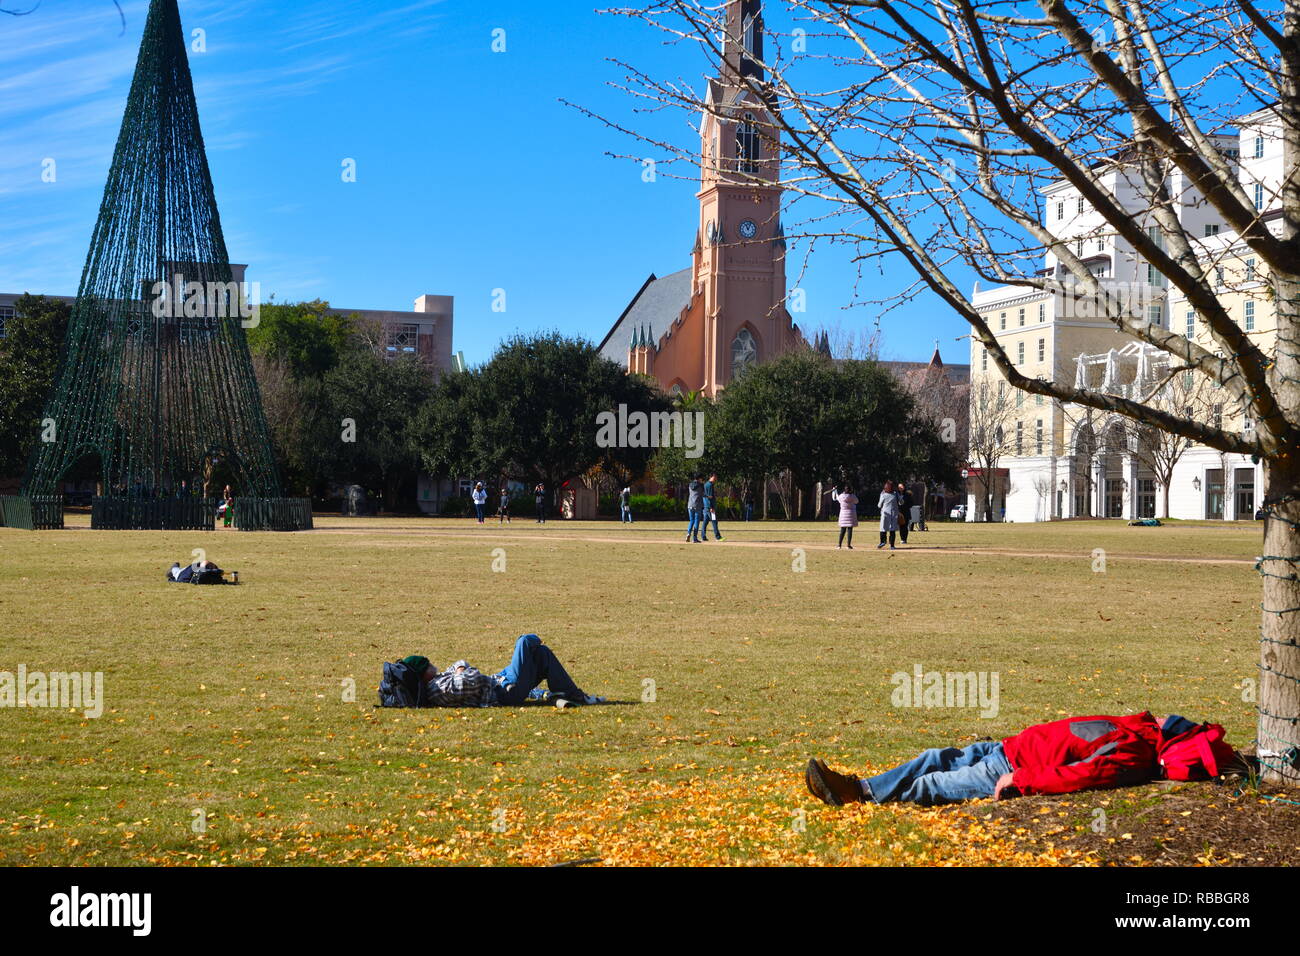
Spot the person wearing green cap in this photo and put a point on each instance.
(463, 685)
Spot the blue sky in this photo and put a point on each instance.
(471, 174)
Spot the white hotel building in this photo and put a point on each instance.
(1065, 461)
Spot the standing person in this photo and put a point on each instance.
(848, 503)
(503, 511)
(710, 511)
(749, 504)
(625, 505)
(888, 505)
(540, 494)
(479, 494)
(904, 497)
(694, 508)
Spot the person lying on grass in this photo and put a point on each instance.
(462, 685)
(1078, 753)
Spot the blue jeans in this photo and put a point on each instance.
(627, 514)
(696, 522)
(478, 511)
(946, 775)
(705, 519)
(532, 663)
(749, 512)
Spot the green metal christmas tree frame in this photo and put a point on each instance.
(156, 378)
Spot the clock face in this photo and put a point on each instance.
(748, 230)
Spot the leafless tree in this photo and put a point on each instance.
(925, 130)
(1184, 393)
(991, 414)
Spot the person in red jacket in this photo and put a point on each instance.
(1078, 753)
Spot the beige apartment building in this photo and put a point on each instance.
(1064, 461)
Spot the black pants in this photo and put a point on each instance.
(846, 531)
(891, 538)
(541, 511)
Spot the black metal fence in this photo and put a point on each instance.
(45, 512)
(273, 514)
(40, 513)
(153, 514)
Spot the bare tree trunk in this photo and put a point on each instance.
(1280, 633)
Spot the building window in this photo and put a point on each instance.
(1250, 269)
(1038, 438)
(1259, 197)
(1078, 206)
(6, 313)
(1156, 316)
(1259, 147)
(403, 339)
(1002, 320)
(1218, 277)
(1060, 210)
(747, 145)
(984, 360)
(1038, 400)
(1020, 353)
(1042, 312)
(1042, 349)
(1191, 323)
(1022, 316)
(1211, 228)
(1078, 246)
(1020, 438)
(1020, 398)
(1101, 243)
(744, 353)
(1146, 498)
(1250, 316)
(1216, 416)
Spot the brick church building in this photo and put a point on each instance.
(697, 329)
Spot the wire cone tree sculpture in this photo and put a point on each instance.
(935, 132)
(157, 379)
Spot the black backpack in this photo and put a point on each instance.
(402, 686)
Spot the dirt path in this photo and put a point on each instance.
(493, 536)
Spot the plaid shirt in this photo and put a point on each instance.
(461, 685)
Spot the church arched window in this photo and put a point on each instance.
(744, 352)
(747, 145)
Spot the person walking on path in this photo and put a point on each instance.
(694, 508)
(710, 510)
(540, 494)
(905, 499)
(479, 495)
(625, 505)
(888, 515)
(848, 503)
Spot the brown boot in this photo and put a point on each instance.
(826, 785)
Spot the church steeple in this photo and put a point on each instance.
(742, 45)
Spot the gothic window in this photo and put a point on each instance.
(744, 352)
(747, 146)
(402, 339)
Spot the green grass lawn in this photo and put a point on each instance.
(227, 705)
